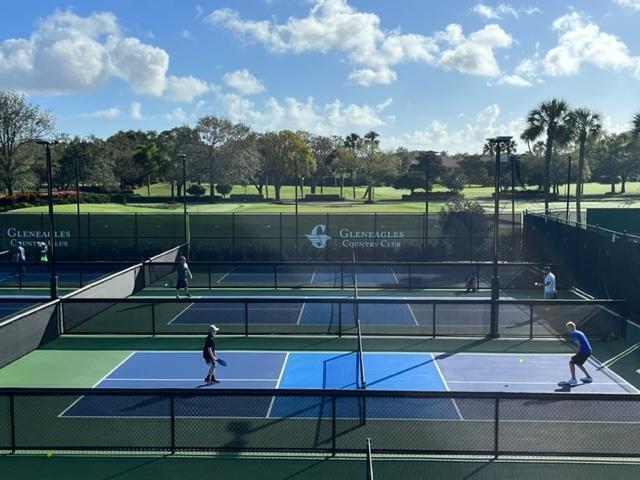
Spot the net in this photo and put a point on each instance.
(162, 265)
(362, 383)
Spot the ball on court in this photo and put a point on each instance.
(521, 360)
(49, 454)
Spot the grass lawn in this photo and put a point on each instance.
(387, 201)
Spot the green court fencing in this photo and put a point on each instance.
(603, 263)
(319, 421)
(277, 236)
(334, 315)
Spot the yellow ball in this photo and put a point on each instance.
(49, 454)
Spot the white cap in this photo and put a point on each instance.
(214, 329)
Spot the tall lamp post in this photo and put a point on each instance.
(295, 173)
(495, 279)
(52, 237)
(79, 250)
(427, 156)
(568, 187)
(185, 223)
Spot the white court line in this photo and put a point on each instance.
(313, 275)
(393, 272)
(98, 382)
(411, 312)
(181, 312)
(273, 399)
(300, 314)
(550, 382)
(226, 275)
(446, 386)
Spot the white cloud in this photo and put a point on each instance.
(243, 81)
(135, 110)
(633, 4)
(502, 10)
(113, 112)
(70, 53)
(185, 89)
(469, 137)
(291, 113)
(514, 81)
(474, 54)
(582, 42)
(177, 114)
(333, 25)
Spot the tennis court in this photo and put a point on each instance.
(391, 371)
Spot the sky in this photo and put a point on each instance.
(424, 74)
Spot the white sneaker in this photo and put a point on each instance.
(586, 379)
(570, 383)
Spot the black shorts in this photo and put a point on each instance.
(580, 357)
(207, 360)
(181, 284)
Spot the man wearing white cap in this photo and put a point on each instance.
(209, 355)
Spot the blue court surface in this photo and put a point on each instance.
(338, 370)
(9, 309)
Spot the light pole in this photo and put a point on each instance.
(427, 156)
(295, 173)
(495, 279)
(183, 157)
(52, 230)
(79, 250)
(568, 186)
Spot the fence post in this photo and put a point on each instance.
(342, 276)
(334, 433)
(173, 423)
(209, 275)
(246, 318)
(410, 280)
(275, 276)
(233, 236)
(339, 320)
(496, 430)
(153, 318)
(135, 235)
(531, 321)
(434, 320)
(12, 416)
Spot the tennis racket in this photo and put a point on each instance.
(221, 362)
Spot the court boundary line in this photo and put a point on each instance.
(446, 385)
(411, 312)
(61, 414)
(273, 399)
(226, 275)
(304, 304)
(313, 276)
(184, 380)
(180, 314)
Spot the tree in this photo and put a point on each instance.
(148, 156)
(344, 164)
(323, 150)
(435, 167)
(609, 154)
(636, 125)
(20, 122)
(453, 180)
(284, 153)
(122, 147)
(95, 165)
(409, 181)
(549, 119)
(474, 170)
(353, 142)
(585, 125)
(215, 133)
(224, 189)
(196, 190)
(181, 140)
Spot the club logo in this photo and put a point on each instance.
(317, 237)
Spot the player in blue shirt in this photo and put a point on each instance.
(584, 352)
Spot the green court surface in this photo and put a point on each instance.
(227, 467)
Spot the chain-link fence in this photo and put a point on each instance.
(327, 421)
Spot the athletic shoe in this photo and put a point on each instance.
(178, 297)
(213, 380)
(189, 295)
(569, 383)
(586, 379)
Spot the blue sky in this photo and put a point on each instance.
(425, 74)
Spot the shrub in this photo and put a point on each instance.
(195, 189)
(224, 189)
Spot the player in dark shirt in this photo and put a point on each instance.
(209, 355)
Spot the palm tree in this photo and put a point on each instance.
(585, 125)
(636, 125)
(550, 119)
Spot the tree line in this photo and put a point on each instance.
(220, 153)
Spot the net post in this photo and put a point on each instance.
(12, 416)
(246, 319)
(275, 276)
(340, 320)
(531, 321)
(342, 276)
(496, 430)
(172, 407)
(433, 320)
(153, 318)
(410, 280)
(209, 275)
(334, 433)
(369, 461)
